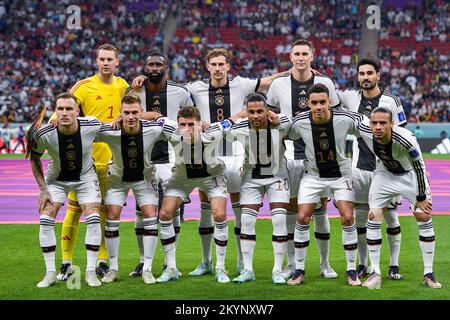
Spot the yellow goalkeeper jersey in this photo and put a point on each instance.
(102, 101)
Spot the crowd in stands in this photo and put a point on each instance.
(40, 56)
(419, 75)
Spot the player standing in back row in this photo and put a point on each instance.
(98, 96)
(327, 170)
(364, 101)
(289, 95)
(217, 99)
(400, 171)
(166, 98)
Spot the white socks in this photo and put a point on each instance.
(374, 244)
(167, 234)
(322, 234)
(237, 229)
(93, 240)
(393, 234)
(248, 236)
(350, 242)
(221, 240)
(206, 231)
(301, 242)
(150, 240)
(279, 237)
(47, 241)
(112, 241)
(427, 240)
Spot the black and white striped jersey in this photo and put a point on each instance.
(131, 153)
(400, 155)
(325, 143)
(290, 97)
(264, 148)
(355, 101)
(199, 159)
(167, 102)
(218, 104)
(70, 155)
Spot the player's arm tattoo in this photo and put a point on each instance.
(45, 199)
(36, 167)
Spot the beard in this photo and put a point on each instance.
(365, 87)
(154, 77)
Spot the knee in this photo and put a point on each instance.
(347, 219)
(164, 214)
(422, 217)
(303, 218)
(375, 214)
(219, 215)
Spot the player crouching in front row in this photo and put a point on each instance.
(195, 167)
(265, 172)
(71, 168)
(132, 169)
(400, 171)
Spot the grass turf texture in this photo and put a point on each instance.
(22, 267)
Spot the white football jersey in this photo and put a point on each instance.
(325, 143)
(167, 102)
(131, 153)
(355, 101)
(70, 155)
(400, 155)
(264, 149)
(200, 159)
(218, 104)
(290, 97)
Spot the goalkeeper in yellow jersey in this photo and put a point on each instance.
(98, 96)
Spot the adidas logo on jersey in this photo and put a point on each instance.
(303, 92)
(156, 102)
(323, 134)
(132, 143)
(70, 146)
(67, 238)
(98, 98)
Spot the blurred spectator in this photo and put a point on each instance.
(6, 133)
(419, 133)
(40, 57)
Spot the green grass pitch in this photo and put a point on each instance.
(22, 267)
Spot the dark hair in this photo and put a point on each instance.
(374, 63)
(130, 99)
(303, 42)
(109, 47)
(382, 110)
(256, 97)
(156, 53)
(67, 95)
(189, 112)
(318, 88)
(217, 52)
